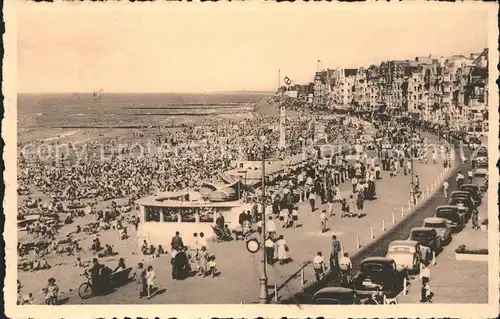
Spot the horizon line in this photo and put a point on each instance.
(132, 92)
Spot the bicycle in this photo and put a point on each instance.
(85, 289)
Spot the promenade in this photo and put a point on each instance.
(240, 270)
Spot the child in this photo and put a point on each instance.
(445, 188)
(51, 292)
(283, 217)
(323, 220)
(212, 266)
(150, 277)
(29, 300)
(295, 217)
(345, 208)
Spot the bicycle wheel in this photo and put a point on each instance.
(85, 291)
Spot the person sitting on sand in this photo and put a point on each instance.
(144, 247)
(151, 250)
(160, 251)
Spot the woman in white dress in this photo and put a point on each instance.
(338, 195)
(150, 280)
(282, 250)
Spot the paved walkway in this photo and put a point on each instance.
(454, 281)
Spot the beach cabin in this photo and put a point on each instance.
(163, 214)
(250, 172)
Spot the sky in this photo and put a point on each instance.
(200, 48)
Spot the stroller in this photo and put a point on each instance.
(220, 236)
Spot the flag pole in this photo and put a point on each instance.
(279, 78)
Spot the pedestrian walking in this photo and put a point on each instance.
(446, 185)
(283, 217)
(408, 167)
(295, 217)
(425, 273)
(475, 219)
(460, 179)
(271, 227)
(359, 205)
(283, 250)
(323, 220)
(150, 280)
(425, 277)
(354, 182)
(203, 260)
(319, 266)
(470, 175)
(334, 255)
(345, 208)
(345, 267)
(269, 247)
(329, 199)
(312, 200)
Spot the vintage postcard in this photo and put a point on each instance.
(251, 160)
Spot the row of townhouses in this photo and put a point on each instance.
(437, 89)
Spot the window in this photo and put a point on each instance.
(207, 215)
(169, 215)
(152, 214)
(188, 215)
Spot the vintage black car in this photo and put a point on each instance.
(474, 190)
(379, 273)
(457, 194)
(427, 237)
(336, 296)
(455, 218)
(464, 204)
(441, 226)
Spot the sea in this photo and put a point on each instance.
(108, 110)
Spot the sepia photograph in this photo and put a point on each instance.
(272, 158)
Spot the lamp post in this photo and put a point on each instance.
(263, 273)
(412, 190)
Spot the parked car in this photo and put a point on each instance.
(474, 190)
(442, 228)
(336, 296)
(454, 217)
(464, 205)
(408, 254)
(465, 194)
(481, 169)
(474, 143)
(427, 237)
(379, 273)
